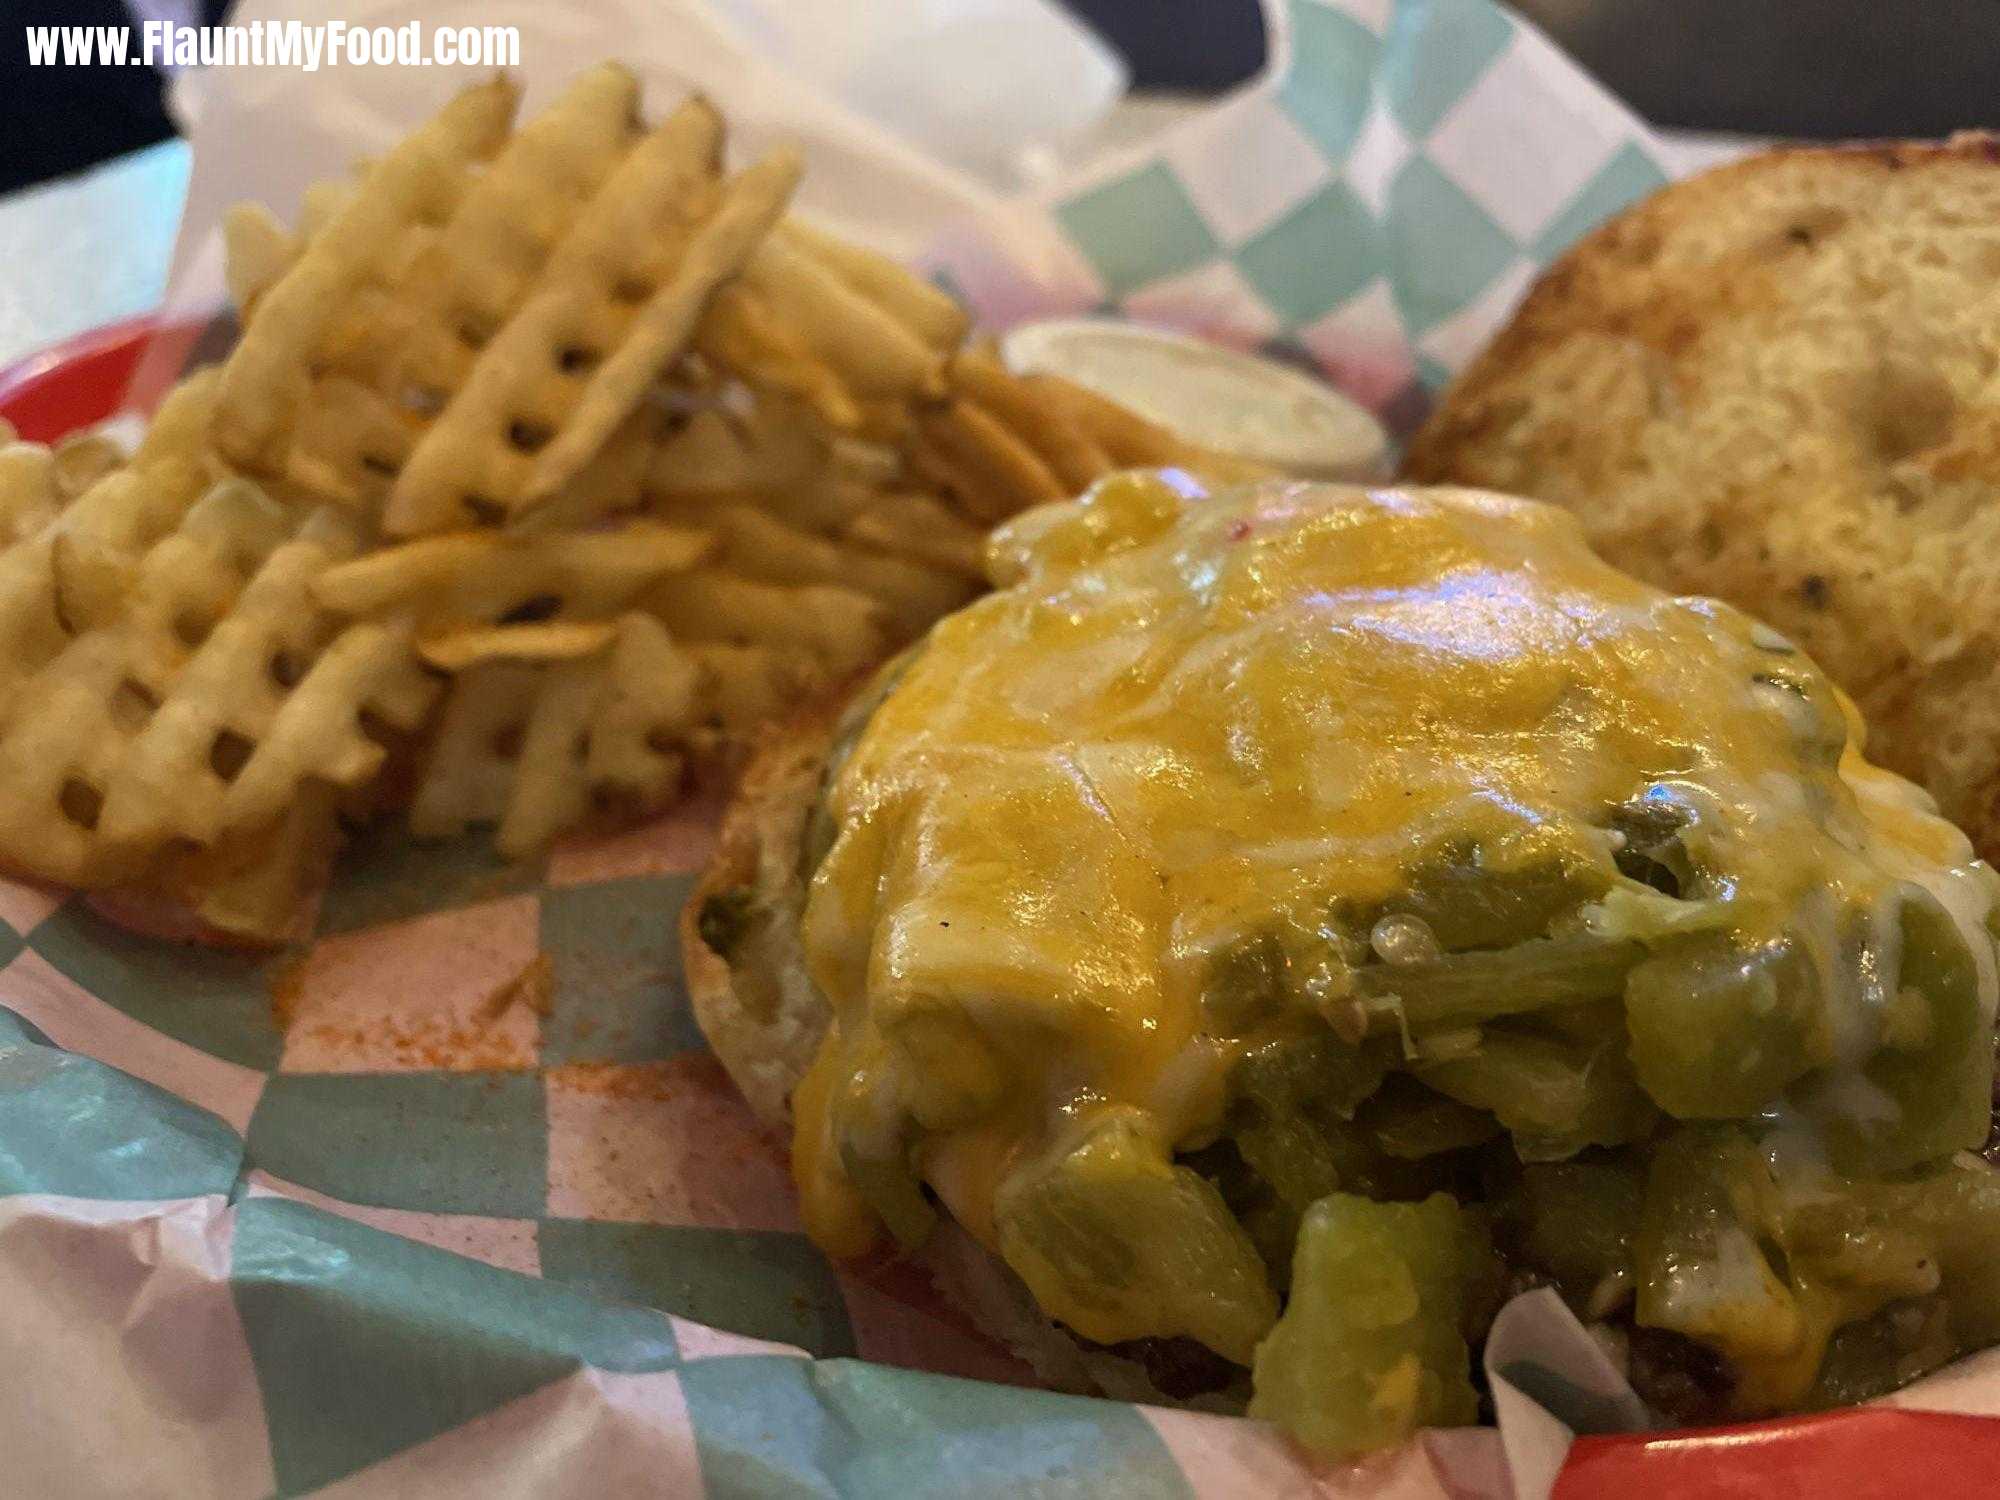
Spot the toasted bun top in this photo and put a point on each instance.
(1779, 383)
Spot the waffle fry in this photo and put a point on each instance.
(29, 496)
(833, 326)
(401, 273)
(551, 462)
(839, 629)
(401, 307)
(267, 379)
(80, 460)
(257, 249)
(921, 529)
(539, 750)
(756, 545)
(747, 686)
(562, 640)
(172, 682)
(927, 311)
(262, 887)
(469, 774)
(718, 453)
(490, 578)
(991, 471)
(473, 357)
(625, 285)
(1002, 442)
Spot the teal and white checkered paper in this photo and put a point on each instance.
(1373, 208)
(403, 1244)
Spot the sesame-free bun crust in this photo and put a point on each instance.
(1779, 383)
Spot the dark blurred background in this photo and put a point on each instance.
(1814, 68)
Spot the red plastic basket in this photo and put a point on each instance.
(84, 379)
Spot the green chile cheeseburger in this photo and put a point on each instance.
(1271, 927)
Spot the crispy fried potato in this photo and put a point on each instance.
(921, 529)
(627, 284)
(480, 312)
(551, 461)
(757, 545)
(558, 640)
(538, 749)
(172, 683)
(256, 250)
(267, 379)
(840, 629)
(834, 326)
(490, 578)
(29, 494)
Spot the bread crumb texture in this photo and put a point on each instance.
(1779, 383)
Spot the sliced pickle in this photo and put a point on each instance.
(1372, 1343)
(1720, 1028)
(1118, 1242)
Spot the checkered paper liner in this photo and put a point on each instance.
(1373, 208)
(331, 1224)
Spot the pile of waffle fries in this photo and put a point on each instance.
(552, 459)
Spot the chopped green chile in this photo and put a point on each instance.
(1554, 1096)
(1718, 1029)
(1468, 904)
(1776, 1276)
(1410, 1122)
(1487, 984)
(1300, 1160)
(1887, 1234)
(1247, 984)
(1313, 1070)
(1120, 1243)
(1915, 1103)
(1307, 972)
(820, 831)
(893, 1191)
(1900, 1342)
(1372, 1345)
(1581, 1217)
(1699, 1253)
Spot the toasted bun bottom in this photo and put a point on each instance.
(765, 1018)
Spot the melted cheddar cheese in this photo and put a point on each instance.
(1182, 721)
